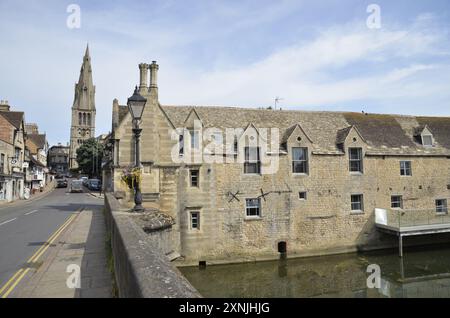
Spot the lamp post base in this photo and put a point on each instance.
(138, 202)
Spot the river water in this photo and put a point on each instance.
(423, 272)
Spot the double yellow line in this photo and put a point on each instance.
(20, 274)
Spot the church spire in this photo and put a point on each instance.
(85, 89)
(86, 54)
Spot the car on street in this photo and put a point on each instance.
(84, 180)
(76, 186)
(61, 183)
(94, 185)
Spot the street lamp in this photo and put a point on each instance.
(136, 104)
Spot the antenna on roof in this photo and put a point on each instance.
(277, 100)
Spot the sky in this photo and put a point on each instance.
(313, 55)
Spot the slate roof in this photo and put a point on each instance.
(383, 133)
(15, 118)
(38, 139)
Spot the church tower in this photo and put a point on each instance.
(83, 110)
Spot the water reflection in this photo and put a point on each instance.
(421, 273)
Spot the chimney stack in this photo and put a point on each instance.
(143, 83)
(115, 114)
(154, 75)
(4, 106)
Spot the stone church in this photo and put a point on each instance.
(309, 185)
(83, 110)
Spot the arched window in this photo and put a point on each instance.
(89, 119)
(84, 118)
(80, 122)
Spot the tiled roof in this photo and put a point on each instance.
(37, 139)
(384, 134)
(15, 118)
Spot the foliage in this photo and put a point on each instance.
(89, 157)
(130, 176)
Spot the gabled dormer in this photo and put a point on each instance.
(348, 137)
(295, 135)
(425, 136)
(351, 142)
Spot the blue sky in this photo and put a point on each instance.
(316, 55)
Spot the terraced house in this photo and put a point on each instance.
(331, 171)
(12, 148)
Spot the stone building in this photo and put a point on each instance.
(12, 149)
(58, 159)
(83, 110)
(36, 155)
(277, 180)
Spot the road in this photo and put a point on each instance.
(25, 228)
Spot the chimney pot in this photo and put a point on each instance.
(154, 75)
(143, 82)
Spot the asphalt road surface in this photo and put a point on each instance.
(25, 228)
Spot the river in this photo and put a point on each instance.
(423, 272)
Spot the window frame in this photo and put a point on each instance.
(191, 178)
(191, 220)
(400, 201)
(360, 203)
(443, 206)
(404, 169)
(303, 162)
(248, 207)
(2, 163)
(195, 143)
(252, 162)
(431, 140)
(359, 160)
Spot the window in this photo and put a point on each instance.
(300, 160)
(355, 159)
(302, 195)
(195, 142)
(194, 177)
(357, 203)
(252, 163)
(405, 168)
(89, 119)
(427, 140)
(397, 202)
(2, 163)
(441, 206)
(181, 145)
(195, 220)
(253, 207)
(80, 120)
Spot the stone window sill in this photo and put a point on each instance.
(357, 213)
(252, 218)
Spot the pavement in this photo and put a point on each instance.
(50, 244)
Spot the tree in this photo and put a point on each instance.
(89, 157)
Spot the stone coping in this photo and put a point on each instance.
(141, 271)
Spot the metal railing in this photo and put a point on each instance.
(399, 218)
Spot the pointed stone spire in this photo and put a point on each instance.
(85, 89)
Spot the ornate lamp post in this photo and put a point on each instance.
(136, 105)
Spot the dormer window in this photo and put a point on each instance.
(427, 140)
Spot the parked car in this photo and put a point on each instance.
(84, 180)
(76, 186)
(61, 183)
(94, 185)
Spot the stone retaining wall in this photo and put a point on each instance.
(141, 270)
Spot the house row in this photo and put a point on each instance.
(248, 182)
(23, 156)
